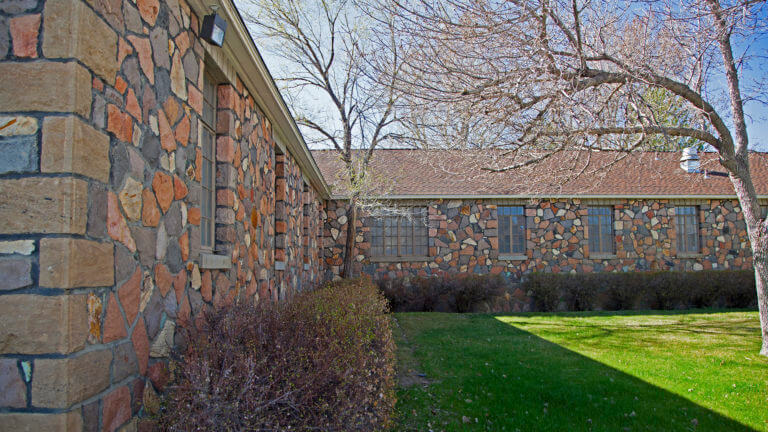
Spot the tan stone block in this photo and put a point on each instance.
(72, 30)
(35, 324)
(43, 205)
(72, 146)
(34, 422)
(45, 86)
(74, 263)
(62, 382)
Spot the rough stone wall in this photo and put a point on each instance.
(335, 237)
(100, 107)
(293, 201)
(245, 198)
(312, 222)
(463, 238)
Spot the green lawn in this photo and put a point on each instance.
(632, 371)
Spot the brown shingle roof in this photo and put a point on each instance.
(403, 173)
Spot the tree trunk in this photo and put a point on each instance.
(736, 160)
(349, 247)
(761, 281)
(758, 238)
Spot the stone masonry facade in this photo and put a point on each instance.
(464, 238)
(100, 205)
(102, 126)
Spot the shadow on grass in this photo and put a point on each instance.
(490, 375)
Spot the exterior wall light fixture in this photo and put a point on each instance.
(214, 28)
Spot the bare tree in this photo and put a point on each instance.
(331, 60)
(540, 77)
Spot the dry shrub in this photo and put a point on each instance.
(444, 293)
(642, 290)
(323, 360)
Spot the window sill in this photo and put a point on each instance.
(211, 261)
(602, 256)
(394, 259)
(513, 257)
(689, 255)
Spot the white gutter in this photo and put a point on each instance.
(241, 51)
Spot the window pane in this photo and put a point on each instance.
(517, 230)
(594, 242)
(504, 240)
(687, 229)
(402, 234)
(600, 221)
(209, 101)
(594, 234)
(607, 246)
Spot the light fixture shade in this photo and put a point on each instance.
(213, 29)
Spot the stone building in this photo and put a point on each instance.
(644, 213)
(145, 176)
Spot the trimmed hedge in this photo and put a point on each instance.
(446, 293)
(322, 360)
(646, 290)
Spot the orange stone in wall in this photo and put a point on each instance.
(150, 214)
(24, 32)
(162, 184)
(184, 245)
(116, 409)
(116, 226)
(193, 215)
(163, 279)
(148, 9)
(130, 294)
(132, 105)
(119, 123)
(179, 188)
(114, 325)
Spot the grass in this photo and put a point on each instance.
(632, 371)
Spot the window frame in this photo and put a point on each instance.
(522, 236)
(306, 211)
(602, 213)
(681, 226)
(208, 188)
(417, 239)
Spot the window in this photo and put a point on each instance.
(600, 230)
(687, 230)
(403, 234)
(512, 230)
(305, 225)
(208, 138)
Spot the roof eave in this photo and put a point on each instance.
(243, 53)
(545, 196)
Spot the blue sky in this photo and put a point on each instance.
(757, 113)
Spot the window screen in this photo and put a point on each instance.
(512, 230)
(601, 230)
(687, 230)
(401, 234)
(208, 137)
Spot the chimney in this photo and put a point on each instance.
(689, 162)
